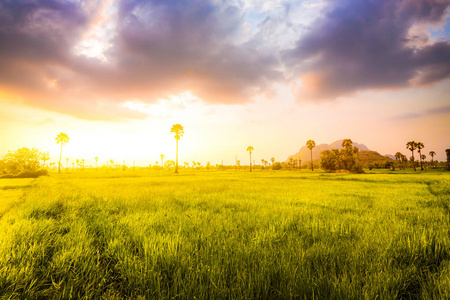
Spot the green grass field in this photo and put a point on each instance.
(226, 235)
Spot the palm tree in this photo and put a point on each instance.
(73, 166)
(78, 163)
(420, 146)
(96, 160)
(62, 139)
(162, 161)
(432, 154)
(398, 156)
(291, 162)
(250, 149)
(423, 157)
(411, 145)
(179, 131)
(310, 145)
(45, 156)
(272, 160)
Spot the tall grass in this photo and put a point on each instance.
(231, 235)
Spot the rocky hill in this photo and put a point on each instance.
(366, 155)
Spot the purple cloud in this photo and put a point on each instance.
(361, 45)
(158, 48)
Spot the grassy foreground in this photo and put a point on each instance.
(226, 235)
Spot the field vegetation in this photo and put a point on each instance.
(232, 235)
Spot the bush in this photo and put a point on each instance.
(276, 166)
(27, 174)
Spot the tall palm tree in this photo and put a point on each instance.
(411, 145)
(250, 149)
(310, 145)
(423, 157)
(420, 146)
(179, 131)
(62, 139)
(432, 154)
(96, 160)
(162, 161)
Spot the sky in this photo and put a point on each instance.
(115, 75)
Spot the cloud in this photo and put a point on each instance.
(156, 48)
(360, 45)
(443, 110)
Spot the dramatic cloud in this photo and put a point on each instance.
(368, 45)
(157, 48)
(88, 58)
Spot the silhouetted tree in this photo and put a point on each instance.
(404, 161)
(96, 160)
(179, 131)
(20, 161)
(411, 145)
(62, 139)
(422, 157)
(250, 149)
(169, 163)
(78, 163)
(398, 156)
(44, 157)
(310, 144)
(346, 158)
(272, 160)
(447, 152)
(291, 162)
(420, 146)
(432, 154)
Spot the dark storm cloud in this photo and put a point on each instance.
(171, 46)
(158, 48)
(366, 45)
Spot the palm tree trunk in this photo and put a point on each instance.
(60, 154)
(176, 164)
(414, 165)
(250, 161)
(312, 166)
(420, 159)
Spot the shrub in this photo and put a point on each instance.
(276, 166)
(27, 174)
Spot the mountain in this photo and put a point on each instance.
(304, 154)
